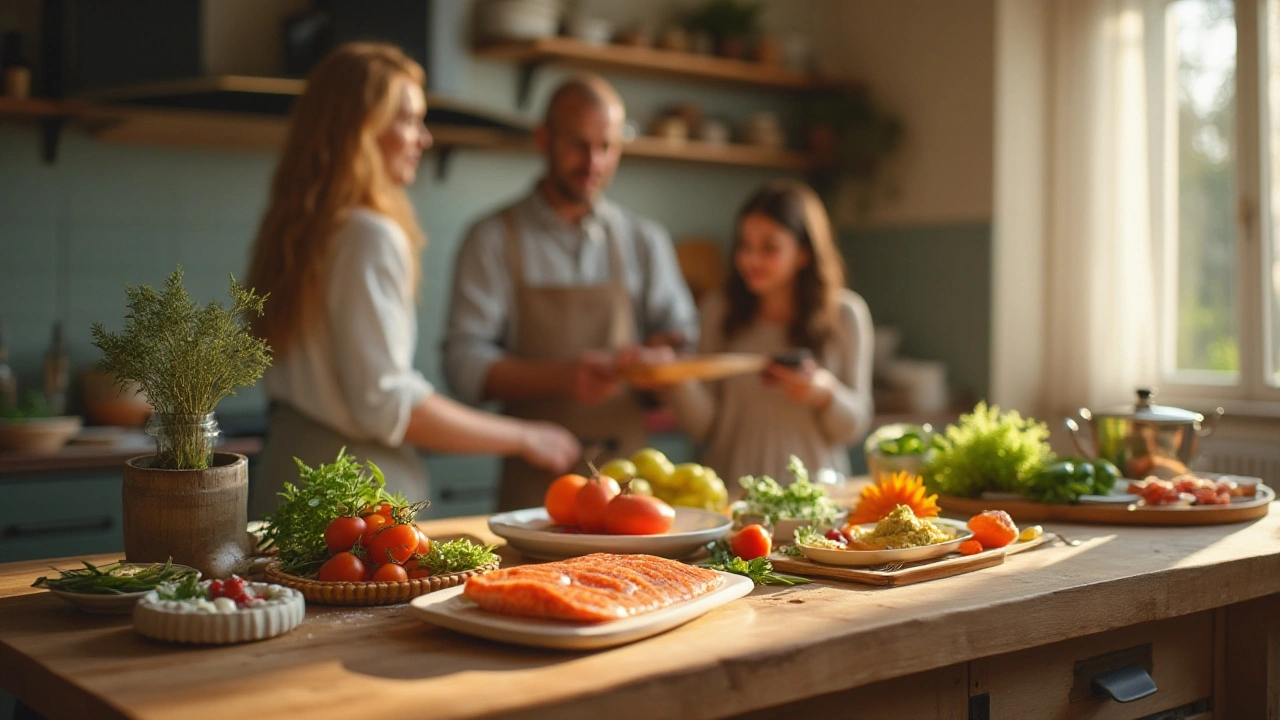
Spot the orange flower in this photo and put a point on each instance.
(881, 497)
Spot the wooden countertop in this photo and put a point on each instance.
(774, 646)
(97, 457)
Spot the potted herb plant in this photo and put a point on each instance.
(730, 22)
(186, 501)
(854, 137)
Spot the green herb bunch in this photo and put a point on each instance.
(186, 359)
(802, 499)
(759, 570)
(988, 450)
(341, 488)
(456, 556)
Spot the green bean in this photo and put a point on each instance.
(114, 578)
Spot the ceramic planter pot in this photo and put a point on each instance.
(197, 517)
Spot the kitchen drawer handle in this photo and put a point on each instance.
(57, 527)
(1125, 684)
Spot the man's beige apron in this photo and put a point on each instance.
(291, 434)
(560, 323)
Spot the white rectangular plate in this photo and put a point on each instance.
(451, 609)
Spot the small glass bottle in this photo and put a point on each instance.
(16, 72)
(57, 372)
(183, 442)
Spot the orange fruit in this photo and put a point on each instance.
(993, 528)
(561, 498)
(970, 547)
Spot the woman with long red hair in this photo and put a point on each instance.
(785, 296)
(338, 255)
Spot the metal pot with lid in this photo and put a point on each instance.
(1145, 438)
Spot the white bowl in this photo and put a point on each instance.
(116, 604)
(518, 19)
(530, 531)
(153, 618)
(857, 558)
(39, 435)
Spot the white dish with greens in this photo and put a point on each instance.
(786, 507)
(114, 588)
(218, 612)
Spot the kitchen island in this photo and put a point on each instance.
(1197, 607)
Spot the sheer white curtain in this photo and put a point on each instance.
(1099, 337)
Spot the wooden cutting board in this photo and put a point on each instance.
(699, 367)
(909, 573)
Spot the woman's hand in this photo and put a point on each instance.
(549, 446)
(806, 383)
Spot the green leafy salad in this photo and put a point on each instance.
(988, 450)
(801, 500)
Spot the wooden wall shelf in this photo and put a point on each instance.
(643, 60)
(721, 154)
(135, 124)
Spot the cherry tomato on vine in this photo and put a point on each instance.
(343, 567)
(384, 509)
(390, 572)
(393, 544)
(424, 542)
(343, 533)
(373, 523)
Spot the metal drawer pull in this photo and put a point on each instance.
(56, 527)
(1125, 684)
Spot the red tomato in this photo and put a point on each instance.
(751, 542)
(343, 567)
(637, 515)
(343, 533)
(393, 544)
(424, 542)
(592, 500)
(390, 572)
(561, 498)
(373, 523)
(384, 509)
(419, 572)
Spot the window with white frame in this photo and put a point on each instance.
(1216, 124)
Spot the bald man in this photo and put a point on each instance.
(555, 296)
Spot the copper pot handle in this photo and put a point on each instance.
(1211, 423)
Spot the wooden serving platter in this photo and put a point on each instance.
(700, 367)
(1116, 514)
(908, 574)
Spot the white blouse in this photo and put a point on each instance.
(355, 374)
(748, 428)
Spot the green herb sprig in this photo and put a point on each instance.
(187, 589)
(759, 570)
(456, 556)
(801, 500)
(185, 358)
(341, 488)
(115, 578)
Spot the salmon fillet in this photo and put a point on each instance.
(592, 588)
